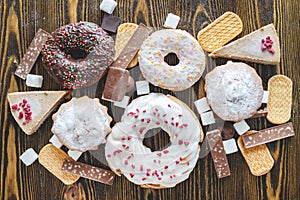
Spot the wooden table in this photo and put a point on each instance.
(19, 21)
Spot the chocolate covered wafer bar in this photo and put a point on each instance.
(268, 135)
(88, 171)
(32, 54)
(116, 84)
(218, 153)
(132, 47)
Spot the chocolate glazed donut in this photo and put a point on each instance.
(78, 55)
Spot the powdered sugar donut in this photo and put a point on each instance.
(234, 91)
(190, 55)
(81, 124)
(126, 154)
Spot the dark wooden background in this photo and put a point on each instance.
(19, 20)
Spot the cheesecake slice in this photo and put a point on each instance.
(260, 46)
(30, 109)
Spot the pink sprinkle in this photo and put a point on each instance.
(172, 123)
(166, 167)
(133, 166)
(143, 179)
(263, 47)
(169, 105)
(159, 178)
(171, 176)
(136, 116)
(21, 115)
(123, 138)
(180, 142)
(162, 173)
(172, 118)
(131, 175)
(180, 115)
(159, 154)
(24, 123)
(14, 107)
(142, 120)
(126, 162)
(165, 151)
(127, 147)
(148, 170)
(177, 123)
(177, 162)
(176, 134)
(147, 174)
(166, 121)
(137, 110)
(134, 126)
(262, 40)
(156, 109)
(188, 163)
(157, 123)
(28, 106)
(154, 113)
(129, 137)
(271, 51)
(141, 168)
(24, 101)
(128, 158)
(268, 37)
(148, 121)
(186, 143)
(108, 155)
(154, 161)
(124, 145)
(144, 111)
(181, 159)
(142, 130)
(164, 115)
(130, 113)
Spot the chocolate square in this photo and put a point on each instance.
(110, 23)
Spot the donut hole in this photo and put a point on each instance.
(77, 53)
(156, 139)
(171, 59)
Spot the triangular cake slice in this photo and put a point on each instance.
(249, 47)
(30, 109)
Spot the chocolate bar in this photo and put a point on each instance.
(88, 171)
(32, 54)
(132, 47)
(116, 84)
(268, 135)
(218, 153)
(260, 113)
(110, 23)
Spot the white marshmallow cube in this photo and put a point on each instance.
(142, 87)
(241, 127)
(123, 103)
(230, 146)
(171, 21)
(54, 140)
(207, 118)
(108, 6)
(34, 80)
(202, 105)
(265, 97)
(29, 156)
(74, 154)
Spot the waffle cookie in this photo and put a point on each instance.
(124, 33)
(220, 32)
(280, 99)
(258, 158)
(52, 159)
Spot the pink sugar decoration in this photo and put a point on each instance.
(123, 138)
(180, 115)
(142, 130)
(130, 113)
(177, 162)
(165, 151)
(181, 159)
(136, 116)
(142, 120)
(172, 123)
(144, 111)
(131, 175)
(166, 121)
(24, 101)
(176, 135)
(147, 174)
(172, 118)
(157, 123)
(133, 166)
(166, 167)
(14, 107)
(126, 162)
(186, 143)
(124, 145)
(263, 47)
(169, 105)
(148, 121)
(159, 154)
(159, 178)
(134, 126)
(154, 161)
(171, 176)
(129, 137)
(128, 158)
(162, 173)
(137, 110)
(180, 142)
(271, 51)
(164, 115)
(141, 168)
(108, 155)
(148, 170)
(143, 179)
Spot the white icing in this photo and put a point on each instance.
(125, 151)
(159, 73)
(234, 91)
(81, 124)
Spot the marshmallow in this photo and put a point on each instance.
(207, 118)
(142, 87)
(202, 105)
(265, 97)
(29, 156)
(108, 6)
(241, 127)
(34, 80)
(55, 141)
(123, 103)
(172, 21)
(74, 154)
(230, 146)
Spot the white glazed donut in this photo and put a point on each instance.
(126, 154)
(181, 76)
